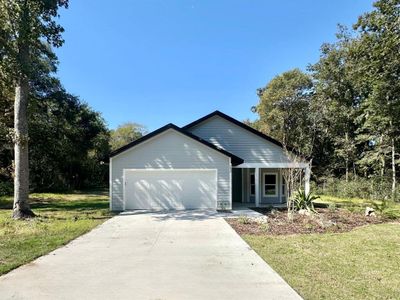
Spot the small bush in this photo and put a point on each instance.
(304, 201)
(244, 220)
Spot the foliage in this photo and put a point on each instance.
(304, 201)
(126, 133)
(374, 188)
(6, 188)
(345, 111)
(281, 108)
(69, 142)
(28, 31)
(244, 220)
(61, 218)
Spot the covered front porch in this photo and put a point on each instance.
(262, 185)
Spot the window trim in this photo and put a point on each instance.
(283, 186)
(276, 184)
(252, 173)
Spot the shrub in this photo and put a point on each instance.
(244, 220)
(367, 188)
(304, 201)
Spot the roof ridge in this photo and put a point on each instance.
(235, 159)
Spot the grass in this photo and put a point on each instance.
(391, 210)
(61, 218)
(360, 264)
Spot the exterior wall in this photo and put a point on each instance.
(170, 150)
(280, 198)
(239, 141)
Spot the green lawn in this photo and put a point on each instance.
(361, 264)
(61, 218)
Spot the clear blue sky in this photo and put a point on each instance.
(156, 62)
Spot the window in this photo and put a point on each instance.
(283, 187)
(252, 184)
(270, 185)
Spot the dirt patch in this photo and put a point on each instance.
(325, 220)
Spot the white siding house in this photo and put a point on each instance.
(206, 164)
(170, 150)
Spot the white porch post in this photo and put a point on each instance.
(307, 176)
(257, 185)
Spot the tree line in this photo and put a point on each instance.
(344, 110)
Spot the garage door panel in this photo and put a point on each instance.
(170, 189)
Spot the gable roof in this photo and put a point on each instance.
(236, 122)
(235, 160)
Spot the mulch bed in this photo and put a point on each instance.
(326, 220)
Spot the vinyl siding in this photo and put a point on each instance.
(171, 150)
(248, 146)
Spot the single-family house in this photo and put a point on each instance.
(211, 163)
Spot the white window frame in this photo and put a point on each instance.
(252, 173)
(283, 186)
(276, 184)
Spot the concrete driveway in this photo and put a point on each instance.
(176, 255)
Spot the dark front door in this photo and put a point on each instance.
(236, 185)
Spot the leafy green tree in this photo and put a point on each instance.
(375, 61)
(71, 142)
(28, 30)
(338, 100)
(284, 109)
(125, 134)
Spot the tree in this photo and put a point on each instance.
(28, 30)
(284, 109)
(71, 141)
(125, 134)
(338, 99)
(375, 62)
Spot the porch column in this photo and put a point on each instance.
(257, 185)
(307, 176)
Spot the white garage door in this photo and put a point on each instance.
(170, 189)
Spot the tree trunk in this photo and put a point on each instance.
(347, 156)
(383, 167)
(21, 207)
(393, 171)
